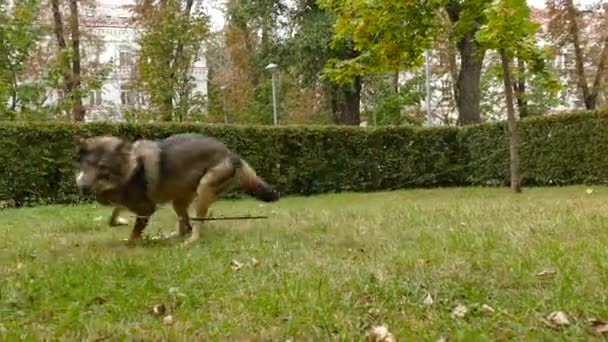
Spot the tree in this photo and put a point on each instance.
(171, 42)
(566, 31)
(311, 49)
(467, 16)
(510, 32)
(19, 35)
(390, 36)
(72, 77)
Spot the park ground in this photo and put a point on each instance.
(320, 268)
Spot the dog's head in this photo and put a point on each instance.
(104, 163)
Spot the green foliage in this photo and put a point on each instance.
(173, 32)
(387, 35)
(18, 35)
(384, 106)
(564, 149)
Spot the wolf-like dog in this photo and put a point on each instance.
(182, 169)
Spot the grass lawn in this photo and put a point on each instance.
(329, 266)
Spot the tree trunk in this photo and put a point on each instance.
(77, 109)
(61, 45)
(469, 79)
(581, 79)
(176, 63)
(396, 82)
(520, 89)
(346, 104)
(512, 123)
(467, 92)
(599, 76)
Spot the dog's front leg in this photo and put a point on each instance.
(116, 220)
(140, 224)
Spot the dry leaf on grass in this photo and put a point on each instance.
(379, 333)
(459, 311)
(545, 273)
(487, 309)
(159, 309)
(442, 339)
(557, 319)
(168, 320)
(589, 191)
(100, 300)
(428, 300)
(254, 261)
(598, 327)
(235, 265)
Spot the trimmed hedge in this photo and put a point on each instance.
(36, 159)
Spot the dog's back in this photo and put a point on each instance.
(175, 165)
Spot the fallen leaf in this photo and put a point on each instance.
(589, 191)
(254, 261)
(487, 309)
(459, 311)
(442, 339)
(20, 265)
(235, 265)
(545, 273)
(379, 334)
(428, 300)
(557, 319)
(168, 320)
(98, 218)
(598, 327)
(100, 300)
(159, 309)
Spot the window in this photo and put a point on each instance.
(445, 85)
(95, 99)
(125, 58)
(127, 96)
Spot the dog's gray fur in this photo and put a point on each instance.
(181, 169)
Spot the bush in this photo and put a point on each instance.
(37, 158)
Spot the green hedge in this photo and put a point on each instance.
(36, 159)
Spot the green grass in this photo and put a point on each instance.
(329, 266)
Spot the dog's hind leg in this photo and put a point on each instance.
(183, 219)
(211, 186)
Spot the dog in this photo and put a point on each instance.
(182, 169)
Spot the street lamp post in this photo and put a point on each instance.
(273, 70)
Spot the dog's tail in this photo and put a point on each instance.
(251, 183)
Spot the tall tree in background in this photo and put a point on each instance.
(19, 35)
(172, 38)
(510, 32)
(391, 36)
(249, 42)
(309, 51)
(566, 30)
(467, 16)
(72, 77)
(376, 37)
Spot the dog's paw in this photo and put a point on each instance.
(119, 221)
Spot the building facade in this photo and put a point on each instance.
(114, 41)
